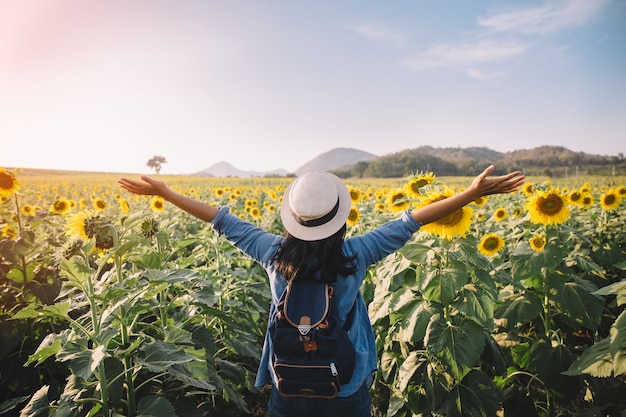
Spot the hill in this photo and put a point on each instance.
(224, 169)
(334, 159)
(328, 161)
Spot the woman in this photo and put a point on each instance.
(314, 211)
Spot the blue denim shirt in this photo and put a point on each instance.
(369, 248)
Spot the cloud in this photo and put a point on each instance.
(545, 19)
(378, 32)
(466, 55)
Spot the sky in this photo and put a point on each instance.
(103, 86)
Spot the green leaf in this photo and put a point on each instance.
(595, 361)
(76, 271)
(618, 344)
(32, 311)
(550, 360)
(521, 309)
(442, 285)
(159, 356)
(413, 327)
(476, 395)
(17, 275)
(475, 304)
(50, 346)
(458, 346)
(617, 288)
(171, 276)
(38, 405)
(155, 406)
(580, 305)
(526, 263)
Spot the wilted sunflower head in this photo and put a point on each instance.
(537, 243)
(353, 217)
(547, 207)
(490, 244)
(8, 183)
(610, 200)
(149, 227)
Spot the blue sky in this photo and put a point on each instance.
(105, 85)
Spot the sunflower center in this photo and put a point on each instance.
(538, 243)
(609, 199)
(551, 204)
(6, 181)
(491, 243)
(575, 196)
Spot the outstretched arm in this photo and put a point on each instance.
(481, 186)
(149, 186)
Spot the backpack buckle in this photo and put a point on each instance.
(304, 327)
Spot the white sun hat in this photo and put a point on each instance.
(315, 206)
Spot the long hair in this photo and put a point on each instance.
(296, 258)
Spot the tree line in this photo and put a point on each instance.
(550, 161)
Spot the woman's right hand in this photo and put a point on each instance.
(147, 186)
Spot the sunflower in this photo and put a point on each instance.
(218, 192)
(255, 212)
(587, 201)
(353, 217)
(528, 188)
(124, 205)
(610, 200)
(157, 203)
(397, 201)
(28, 210)
(355, 194)
(537, 243)
(547, 207)
(8, 183)
(458, 223)
(575, 198)
(490, 244)
(99, 204)
(8, 232)
(149, 227)
(60, 206)
(418, 181)
(380, 206)
(500, 214)
(77, 225)
(480, 201)
(621, 191)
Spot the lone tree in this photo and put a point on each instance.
(155, 163)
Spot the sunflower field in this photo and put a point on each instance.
(113, 304)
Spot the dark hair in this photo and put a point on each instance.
(297, 259)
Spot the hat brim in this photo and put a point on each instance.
(311, 233)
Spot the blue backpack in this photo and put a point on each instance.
(313, 356)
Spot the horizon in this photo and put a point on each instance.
(105, 86)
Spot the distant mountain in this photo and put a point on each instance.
(334, 159)
(328, 161)
(224, 169)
